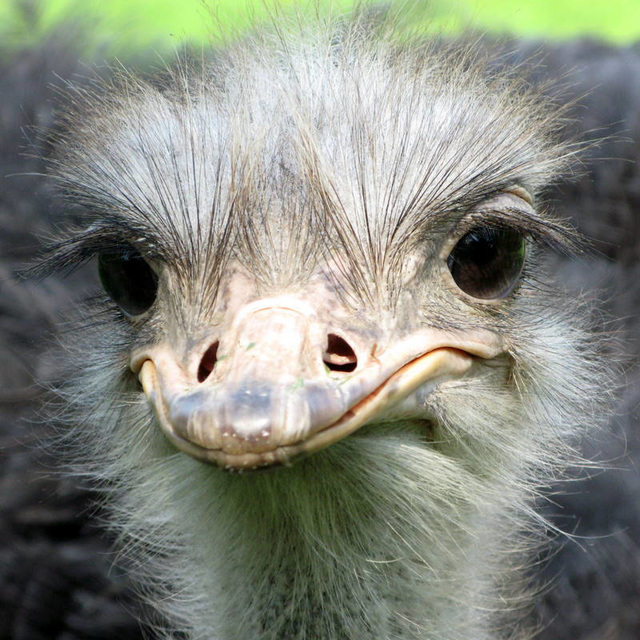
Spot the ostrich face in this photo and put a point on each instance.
(264, 378)
(298, 248)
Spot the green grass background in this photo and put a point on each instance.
(126, 26)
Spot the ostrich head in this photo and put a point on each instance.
(322, 257)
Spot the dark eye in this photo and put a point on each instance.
(487, 261)
(128, 280)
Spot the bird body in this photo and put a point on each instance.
(329, 376)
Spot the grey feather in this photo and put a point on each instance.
(384, 151)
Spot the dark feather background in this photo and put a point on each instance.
(57, 577)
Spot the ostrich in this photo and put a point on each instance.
(328, 375)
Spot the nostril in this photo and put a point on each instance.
(339, 356)
(208, 362)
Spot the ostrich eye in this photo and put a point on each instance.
(128, 280)
(487, 261)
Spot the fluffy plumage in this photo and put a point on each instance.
(357, 160)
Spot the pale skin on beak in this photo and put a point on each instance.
(376, 391)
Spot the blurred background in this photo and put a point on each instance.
(58, 580)
(123, 27)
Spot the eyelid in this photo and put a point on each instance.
(522, 193)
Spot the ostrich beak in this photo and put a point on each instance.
(270, 397)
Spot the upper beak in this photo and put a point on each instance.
(271, 396)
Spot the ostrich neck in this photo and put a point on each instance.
(352, 543)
